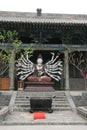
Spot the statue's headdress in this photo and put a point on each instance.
(39, 59)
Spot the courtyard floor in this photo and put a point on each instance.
(58, 120)
(55, 118)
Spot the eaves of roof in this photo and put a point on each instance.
(25, 17)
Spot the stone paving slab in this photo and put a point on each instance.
(43, 127)
(55, 118)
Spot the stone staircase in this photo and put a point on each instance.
(59, 100)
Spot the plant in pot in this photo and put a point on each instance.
(9, 46)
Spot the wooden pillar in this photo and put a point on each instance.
(66, 70)
(11, 70)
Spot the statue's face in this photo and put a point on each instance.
(39, 61)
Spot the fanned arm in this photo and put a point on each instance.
(54, 67)
(24, 67)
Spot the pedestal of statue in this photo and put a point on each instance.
(38, 84)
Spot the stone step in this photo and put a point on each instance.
(60, 96)
(20, 96)
(24, 109)
(22, 106)
(61, 109)
(27, 100)
(57, 97)
(53, 104)
(56, 92)
(59, 100)
(60, 103)
(42, 88)
(40, 94)
(53, 100)
(22, 102)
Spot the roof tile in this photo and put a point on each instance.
(44, 18)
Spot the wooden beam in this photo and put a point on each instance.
(50, 47)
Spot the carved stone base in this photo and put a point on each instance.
(39, 86)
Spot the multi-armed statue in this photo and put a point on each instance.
(38, 78)
(39, 71)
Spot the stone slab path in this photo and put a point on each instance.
(55, 118)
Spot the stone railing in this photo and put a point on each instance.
(3, 112)
(82, 111)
